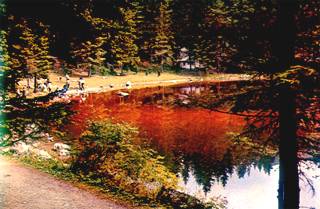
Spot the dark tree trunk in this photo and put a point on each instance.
(121, 68)
(28, 83)
(190, 58)
(35, 84)
(283, 48)
(90, 71)
(13, 84)
(280, 189)
(289, 177)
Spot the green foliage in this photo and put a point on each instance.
(26, 48)
(110, 155)
(215, 48)
(299, 77)
(179, 200)
(119, 32)
(162, 45)
(214, 32)
(237, 13)
(23, 120)
(4, 57)
(2, 7)
(29, 52)
(91, 54)
(51, 166)
(250, 147)
(124, 50)
(6, 82)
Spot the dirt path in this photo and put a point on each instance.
(139, 80)
(26, 188)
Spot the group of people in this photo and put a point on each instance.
(81, 82)
(22, 93)
(45, 86)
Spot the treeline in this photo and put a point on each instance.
(229, 35)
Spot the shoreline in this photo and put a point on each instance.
(150, 84)
(102, 84)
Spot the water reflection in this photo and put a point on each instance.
(219, 171)
(196, 141)
(255, 190)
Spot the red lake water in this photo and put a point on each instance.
(197, 141)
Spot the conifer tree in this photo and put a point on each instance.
(91, 54)
(162, 50)
(4, 56)
(124, 50)
(120, 32)
(146, 29)
(28, 50)
(187, 18)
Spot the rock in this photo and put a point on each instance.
(123, 94)
(6, 149)
(128, 85)
(22, 148)
(36, 144)
(64, 152)
(186, 102)
(149, 189)
(50, 139)
(179, 200)
(60, 146)
(41, 153)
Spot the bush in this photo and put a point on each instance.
(108, 153)
(104, 71)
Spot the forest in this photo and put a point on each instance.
(133, 34)
(276, 42)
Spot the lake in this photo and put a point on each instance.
(197, 143)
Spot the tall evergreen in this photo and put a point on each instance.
(147, 28)
(28, 50)
(162, 46)
(187, 17)
(90, 54)
(124, 49)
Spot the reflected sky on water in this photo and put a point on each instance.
(197, 143)
(256, 190)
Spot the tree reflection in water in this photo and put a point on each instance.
(195, 140)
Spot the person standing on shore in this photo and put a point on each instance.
(81, 83)
(49, 86)
(67, 81)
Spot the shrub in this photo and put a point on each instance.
(108, 153)
(104, 71)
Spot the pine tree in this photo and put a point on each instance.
(4, 57)
(124, 50)
(91, 54)
(187, 17)
(216, 44)
(162, 48)
(146, 28)
(28, 50)
(119, 31)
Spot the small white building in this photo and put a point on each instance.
(184, 60)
